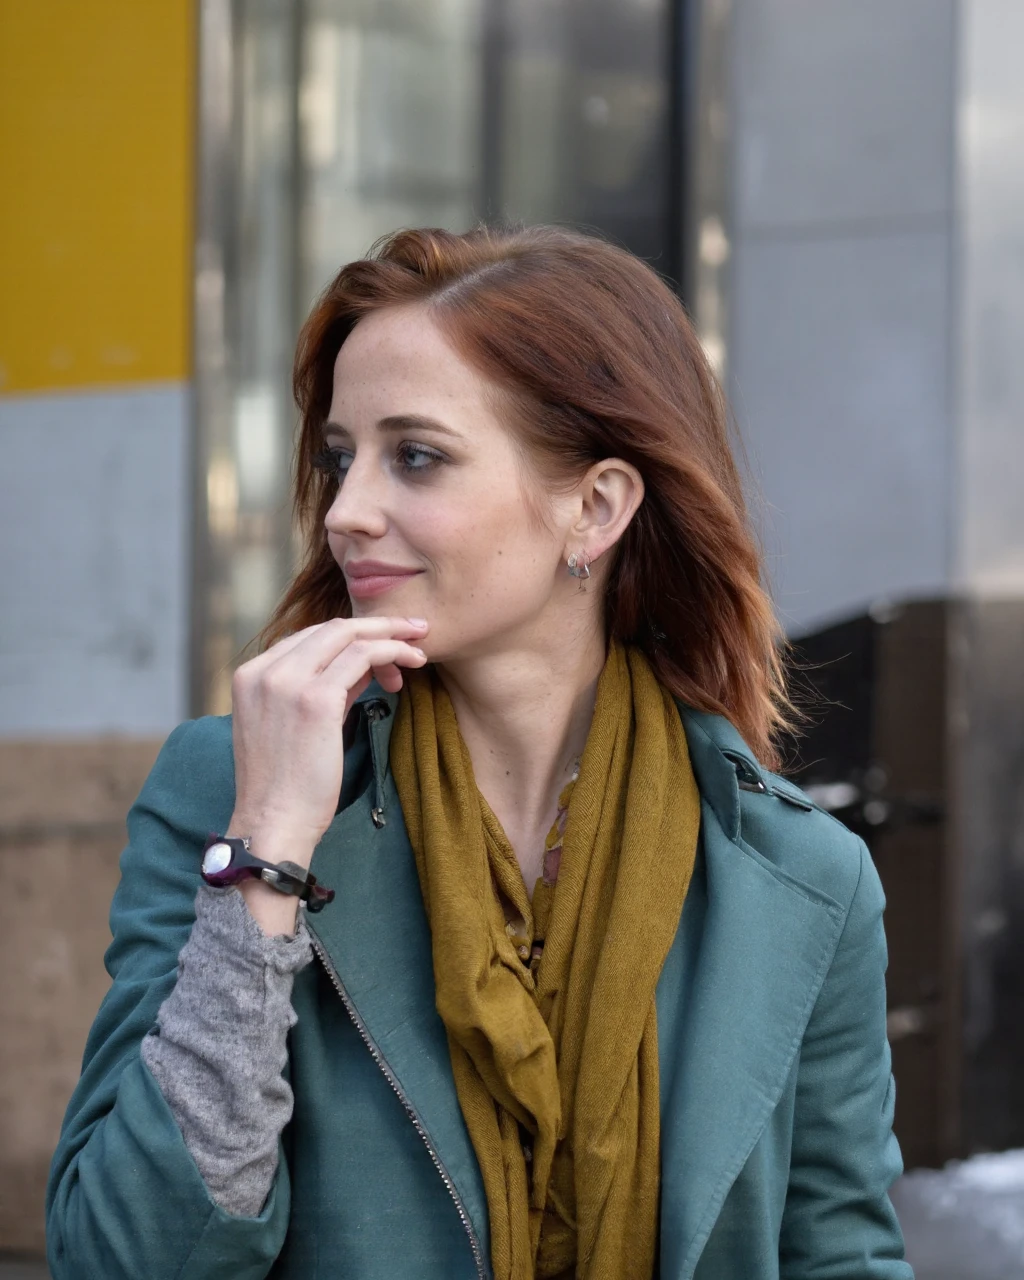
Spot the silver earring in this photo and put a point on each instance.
(578, 565)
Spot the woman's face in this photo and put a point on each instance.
(431, 518)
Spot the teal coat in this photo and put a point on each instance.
(776, 1093)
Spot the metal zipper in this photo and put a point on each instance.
(410, 1110)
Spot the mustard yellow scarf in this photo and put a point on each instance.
(557, 1071)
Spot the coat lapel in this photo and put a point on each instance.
(737, 990)
(377, 940)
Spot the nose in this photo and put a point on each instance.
(358, 506)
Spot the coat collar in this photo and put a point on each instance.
(722, 762)
(748, 961)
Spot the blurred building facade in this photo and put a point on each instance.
(326, 124)
(837, 192)
(873, 313)
(97, 107)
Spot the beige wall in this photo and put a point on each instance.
(62, 810)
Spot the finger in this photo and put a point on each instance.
(389, 678)
(281, 647)
(320, 645)
(362, 658)
(320, 649)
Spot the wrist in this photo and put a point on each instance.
(275, 913)
(232, 860)
(272, 842)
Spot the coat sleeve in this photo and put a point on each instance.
(838, 1222)
(125, 1198)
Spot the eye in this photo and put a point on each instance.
(417, 457)
(334, 461)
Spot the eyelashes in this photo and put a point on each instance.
(333, 462)
(411, 459)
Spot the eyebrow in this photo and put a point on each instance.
(401, 422)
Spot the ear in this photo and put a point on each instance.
(609, 495)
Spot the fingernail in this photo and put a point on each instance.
(417, 622)
(420, 652)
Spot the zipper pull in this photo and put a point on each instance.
(377, 710)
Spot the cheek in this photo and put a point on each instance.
(462, 528)
(496, 557)
(495, 524)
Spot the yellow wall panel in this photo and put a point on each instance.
(96, 169)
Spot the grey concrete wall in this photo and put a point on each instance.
(989, 554)
(93, 577)
(842, 300)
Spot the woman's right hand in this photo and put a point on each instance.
(289, 707)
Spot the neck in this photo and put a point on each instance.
(524, 716)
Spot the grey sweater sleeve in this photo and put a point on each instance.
(220, 1047)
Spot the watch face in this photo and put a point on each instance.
(217, 858)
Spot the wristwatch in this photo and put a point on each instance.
(227, 861)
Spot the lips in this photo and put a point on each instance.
(376, 568)
(367, 578)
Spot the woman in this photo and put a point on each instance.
(594, 993)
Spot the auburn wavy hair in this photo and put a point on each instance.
(597, 359)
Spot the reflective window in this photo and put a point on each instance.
(581, 96)
(389, 104)
(326, 124)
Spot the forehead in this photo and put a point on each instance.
(398, 361)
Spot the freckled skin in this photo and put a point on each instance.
(517, 644)
(454, 520)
